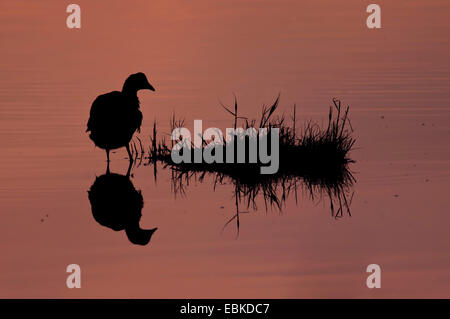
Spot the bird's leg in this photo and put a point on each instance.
(129, 169)
(107, 161)
(129, 153)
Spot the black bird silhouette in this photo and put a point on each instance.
(115, 116)
(116, 204)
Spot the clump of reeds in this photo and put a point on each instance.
(315, 158)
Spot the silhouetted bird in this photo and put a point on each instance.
(115, 116)
(116, 204)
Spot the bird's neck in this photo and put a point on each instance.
(129, 90)
(131, 95)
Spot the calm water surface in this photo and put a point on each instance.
(396, 81)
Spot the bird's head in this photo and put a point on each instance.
(139, 236)
(136, 82)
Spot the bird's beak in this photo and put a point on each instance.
(149, 86)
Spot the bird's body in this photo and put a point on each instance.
(113, 120)
(115, 116)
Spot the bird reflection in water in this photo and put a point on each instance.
(117, 204)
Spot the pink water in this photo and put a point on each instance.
(396, 81)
